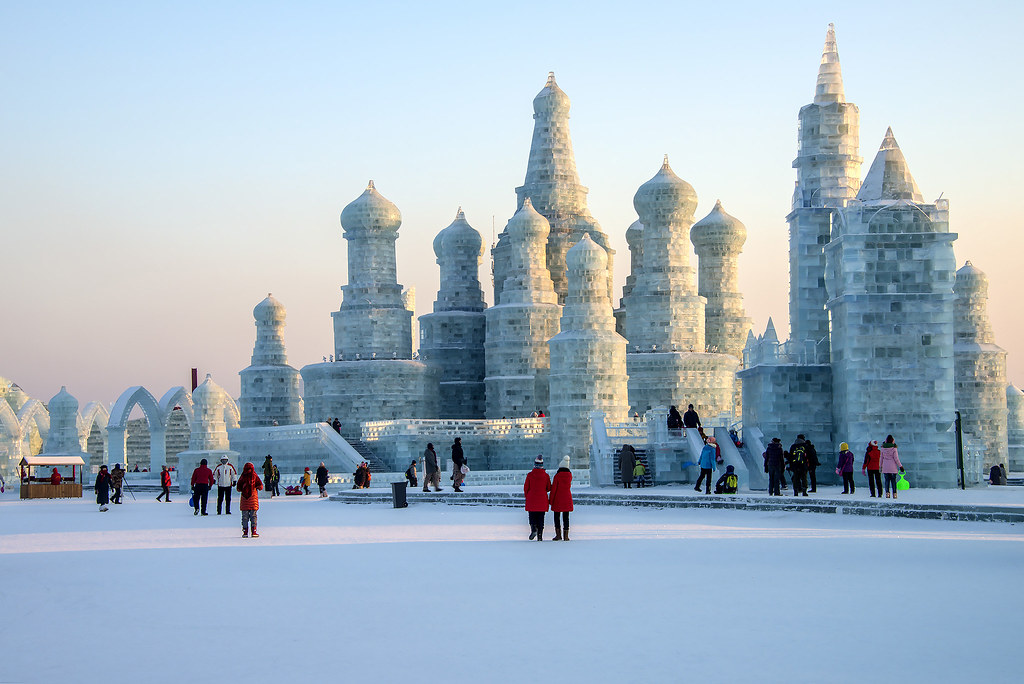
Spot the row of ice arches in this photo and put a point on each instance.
(103, 433)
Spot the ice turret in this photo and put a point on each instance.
(827, 177)
(588, 358)
(521, 323)
(64, 438)
(452, 337)
(980, 369)
(270, 387)
(718, 239)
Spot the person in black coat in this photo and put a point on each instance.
(692, 420)
(321, 479)
(102, 487)
(812, 464)
(675, 421)
(458, 460)
(774, 464)
(627, 461)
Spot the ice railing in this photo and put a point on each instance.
(804, 352)
(504, 427)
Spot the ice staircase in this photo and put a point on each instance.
(641, 454)
(731, 456)
(366, 454)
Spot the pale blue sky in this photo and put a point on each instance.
(164, 166)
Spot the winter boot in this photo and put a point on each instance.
(540, 534)
(894, 494)
(244, 534)
(558, 532)
(533, 532)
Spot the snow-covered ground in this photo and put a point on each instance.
(147, 592)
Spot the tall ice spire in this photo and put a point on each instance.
(554, 187)
(830, 75)
(827, 178)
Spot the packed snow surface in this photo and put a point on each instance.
(147, 592)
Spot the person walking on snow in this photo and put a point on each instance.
(536, 489)
(268, 473)
(561, 500)
(102, 487)
(845, 468)
(249, 487)
(202, 480)
(225, 475)
(116, 483)
(707, 465)
(306, 480)
(798, 465)
(890, 465)
(410, 474)
(321, 479)
(872, 466)
(458, 461)
(432, 472)
(165, 484)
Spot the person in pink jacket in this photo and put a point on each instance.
(890, 462)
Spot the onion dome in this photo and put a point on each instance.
(459, 237)
(718, 227)
(586, 255)
(528, 224)
(665, 194)
(269, 311)
(371, 211)
(634, 234)
(208, 393)
(62, 403)
(551, 97)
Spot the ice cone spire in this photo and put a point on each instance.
(830, 75)
(889, 177)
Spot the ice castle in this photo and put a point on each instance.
(886, 335)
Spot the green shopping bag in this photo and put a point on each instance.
(902, 484)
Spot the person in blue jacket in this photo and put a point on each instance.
(707, 464)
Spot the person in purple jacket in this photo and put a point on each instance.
(890, 462)
(845, 468)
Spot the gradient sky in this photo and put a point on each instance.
(165, 165)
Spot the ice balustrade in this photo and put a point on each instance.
(505, 427)
(802, 352)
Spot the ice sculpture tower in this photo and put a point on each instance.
(553, 186)
(828, 177)
(980, 366)
(270, 387)
(666, 359)
(521, 323)
(718, 239)
(64, 439)
(588, 358)
(452, 337)
(1015, 428)
(892, 318)
(374, 376)
(209, 436)
(634, 240)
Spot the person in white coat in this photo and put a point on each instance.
(225, 475)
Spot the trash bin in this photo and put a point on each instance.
(398, 494)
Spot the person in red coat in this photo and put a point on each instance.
(561, 499)
(55, 477)
(536, 489)
(872, 467)
(165, 484)
(249, 486)
(202, 480)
